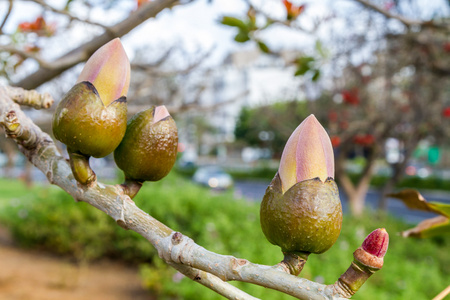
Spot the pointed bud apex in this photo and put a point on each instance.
(108, 69)
(308, 154)
(160, 113)
(376, 243)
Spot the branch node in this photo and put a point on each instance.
(121, 220)
(293, 263)
(30, 98)
(11, 124)
(176, 238)
(131, 187)
(82, 171)
(14, 129)
(343, 289)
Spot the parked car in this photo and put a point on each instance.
(418, 169)
(214, 177)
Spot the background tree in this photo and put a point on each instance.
(386, 80)
(399, 96)
(270, 126)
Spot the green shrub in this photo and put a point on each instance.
(53, 221)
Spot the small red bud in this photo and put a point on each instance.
(376, 243)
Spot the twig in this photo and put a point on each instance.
(29, 98)
(216, 284)
(26, 54)
(69, 15)
(83, 52)
(150, 69)
(6, 16)
(442, 294)
(407, 22)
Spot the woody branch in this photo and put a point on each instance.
(208, 268)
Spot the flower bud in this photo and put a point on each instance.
(376, 243)
(149, 149)
(308, 154)
(372, 251)
(85, 125)
(91, 118)
(108, 69)
(301, 211)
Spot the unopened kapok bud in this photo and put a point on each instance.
(301, 211)
(149, 149)
(91, 118)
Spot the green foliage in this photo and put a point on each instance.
(52, 220)
(234, 22)
(308, 64)
(277, 120)
(244, 28)
(263, 47)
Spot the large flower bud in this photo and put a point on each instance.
(301, 211)
(91, 118)
(149, 149)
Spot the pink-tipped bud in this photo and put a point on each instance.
(160, 113)
(376, 243)
(308, 154)
(108, 69)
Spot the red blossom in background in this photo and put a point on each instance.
(39, 26)
(405, 108)
(351, 96)
(333, 116)
(446, 47)
(292, 11)
(364, 139)
(344, 125)
(446, 112)
(141, 2)
(335, 141)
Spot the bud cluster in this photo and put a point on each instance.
(91, 120)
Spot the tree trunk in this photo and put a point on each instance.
(356, 193)
(397, 174)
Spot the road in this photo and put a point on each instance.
(254, 191)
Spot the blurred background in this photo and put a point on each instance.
(238, 76)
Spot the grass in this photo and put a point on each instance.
(12, 190)
(50, 219)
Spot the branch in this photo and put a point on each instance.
(199, 264)
(43, 153)
(83, 52)
(26, 54)
(151, 69)
(407, 22)
(29, 98)
(67, 14)
(6, 15)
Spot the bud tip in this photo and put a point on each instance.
(376, 243)
(108, 69)
(308, 154)
(160, 113)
